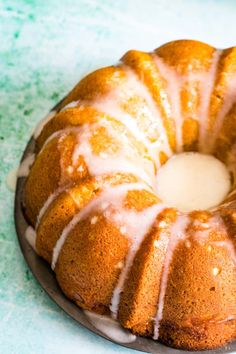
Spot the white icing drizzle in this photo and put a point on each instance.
(48, 202)
(174, 82)
(98, 165)
(60, 133)
(25, 165)
(215, 223)
(111, 197)
(139, 223)
(72, 104)
(207, 83)
(110, 328)
(11, 179)
(142, 90)
(123, 161)
(30, 236)
(228, 318)
(42, 123)
(177, 234)
(229, 99)
(201, 235)
(126, 161)
(229, 246)
(110, 106)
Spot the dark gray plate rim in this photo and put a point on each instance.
(47, 280)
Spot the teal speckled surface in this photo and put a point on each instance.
(45, 48)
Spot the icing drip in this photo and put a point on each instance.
(228, 102)
(202, 233)
(70, 105)
(139, 223)
(143, 92)
(30, 236)
(110, 328)
(229, 318)
(177, 234)
(215, 223)
(106, 163)
(11, 179)
(60, 133)
(111, 107)
(174, 84)
(25, 165)
(124, 161)
(98, 165)
(46, 205)
(42, 123)
(173, 88)
(111, 197)
(229, 246)
(206, 88)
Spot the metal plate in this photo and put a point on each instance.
(47, 280)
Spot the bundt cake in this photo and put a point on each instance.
(91, 194)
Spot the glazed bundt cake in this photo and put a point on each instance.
(91, 194)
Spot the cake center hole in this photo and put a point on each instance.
(191, 181)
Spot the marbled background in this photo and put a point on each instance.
(46, 46)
